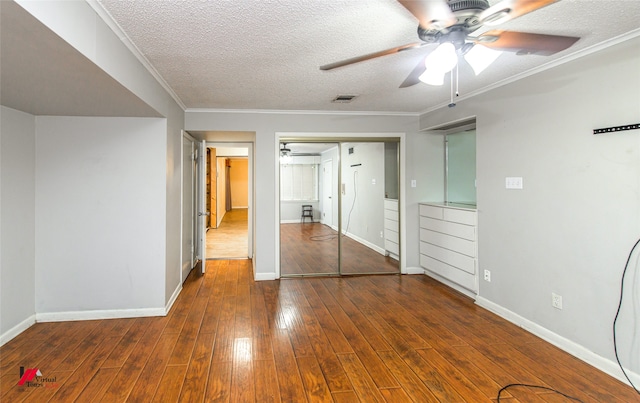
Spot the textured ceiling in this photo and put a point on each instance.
(265, 54)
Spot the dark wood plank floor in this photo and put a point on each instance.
(312, 248)
(371, 338)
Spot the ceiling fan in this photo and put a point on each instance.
(450, 24)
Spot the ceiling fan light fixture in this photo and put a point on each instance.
(443, 59)
(480, 57)
(432, 77)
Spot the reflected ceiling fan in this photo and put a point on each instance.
(450, 23)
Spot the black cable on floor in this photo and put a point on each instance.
(615, 344)
(512, 385)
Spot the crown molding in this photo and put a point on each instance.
(568, 58)
(301, 112)
(115, 27)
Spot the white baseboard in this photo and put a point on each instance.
(173, 298)
(605, 365)
(413, 270)
(99, 314)
(17, 329)
(265, 276)
(451, 284)
(298, 221)
(366, 243)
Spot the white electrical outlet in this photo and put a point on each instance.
(513, 182)
(556, 300)
(487, 275)
(381, 234)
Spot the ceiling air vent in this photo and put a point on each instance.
(343, 99)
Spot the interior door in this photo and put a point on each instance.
(327, 192)
(188, 204)
(202, 203)
(213, 188)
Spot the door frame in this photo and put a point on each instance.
(314, 137)
(192, 216)
(201, 210)
(249, 145)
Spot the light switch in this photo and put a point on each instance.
(413, 183)
(513, 182)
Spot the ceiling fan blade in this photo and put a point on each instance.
(526, 43)
(369, 56)
(509, 9)
(414, 77)
(431, 14)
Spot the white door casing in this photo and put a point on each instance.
(202, 203)
(188, 206)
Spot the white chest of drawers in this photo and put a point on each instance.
(391, 228)
(448, 245)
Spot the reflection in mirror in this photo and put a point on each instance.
(308, 209)
(460, 155)
(370, 224)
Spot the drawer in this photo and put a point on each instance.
(390, 214)
(392, 247)
(451, 273)
(391, 224)
(391, 236)
(391, 204)
(460, 245)
(455, 259)
(431, 211)
(460, 216)
(449, 228)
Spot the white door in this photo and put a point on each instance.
(327, 192)
(188, 204)
(202, 203)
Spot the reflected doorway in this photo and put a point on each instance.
(352, 189)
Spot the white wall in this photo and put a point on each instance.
(17, 222)
(101, 216)
(267, 125)
(291, 211)
(82, 26)
(570, 229)
(363, 200)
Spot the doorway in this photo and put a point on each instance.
(227, 184)
(352, 187)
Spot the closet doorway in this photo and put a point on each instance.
(352, 188)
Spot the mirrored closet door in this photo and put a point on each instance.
(339, 210)
(309, 209)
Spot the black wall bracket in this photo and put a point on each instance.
(634, 126)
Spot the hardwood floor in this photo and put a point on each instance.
(367, 338)
(312, 248)
(230, 239)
